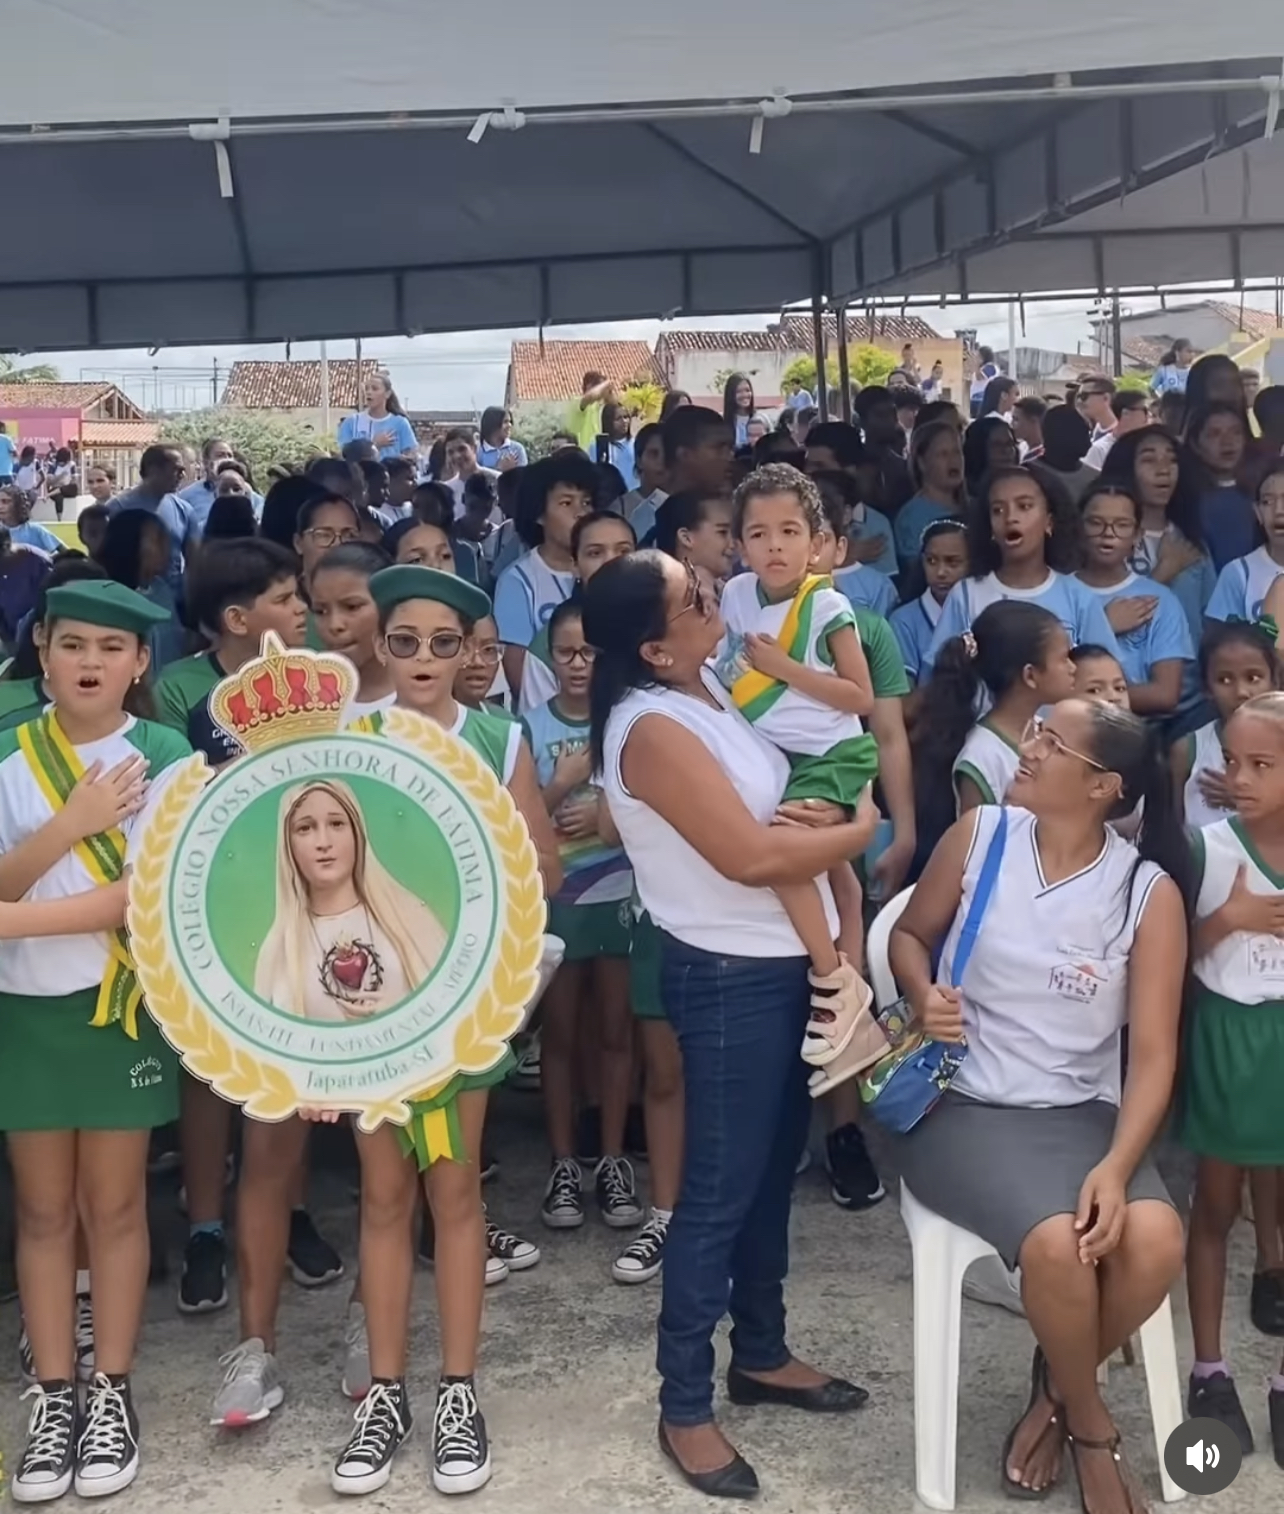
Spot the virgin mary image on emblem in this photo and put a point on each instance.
(347, 940)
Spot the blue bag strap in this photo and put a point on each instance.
(980, 897)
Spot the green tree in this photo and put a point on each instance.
(536, 425)
(866, 364)
(1140, 382)
(34, 373)
(263, 437)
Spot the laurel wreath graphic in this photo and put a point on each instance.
(266, 1091)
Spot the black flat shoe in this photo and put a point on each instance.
(736, 1480)
(833, 1397)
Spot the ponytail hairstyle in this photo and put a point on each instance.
(684, 511)
(1005, 639)
(623, 607)
(1125, 744)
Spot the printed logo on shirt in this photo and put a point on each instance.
(1080, 980)
(146, 1073)
(1266, 959)
(733, 663)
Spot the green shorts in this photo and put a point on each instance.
(644, 970)
(1231, 1094)
(840, 776)
(592, 930)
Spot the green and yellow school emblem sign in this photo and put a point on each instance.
(342, 919)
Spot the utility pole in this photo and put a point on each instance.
(325, 391)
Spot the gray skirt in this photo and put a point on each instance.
(999, 1172)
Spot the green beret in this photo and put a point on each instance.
(104, 602)
(390, 587)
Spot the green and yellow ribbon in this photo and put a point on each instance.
(754, 693)
(58, 770)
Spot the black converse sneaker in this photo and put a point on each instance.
(107, 1450)
(643, 1257)
(203, 1287)
(516, 1254)
(382, 1425)
(617, 1193)
(563, 1207)
(49, 1461)
(460, 1450)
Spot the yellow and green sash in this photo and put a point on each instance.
(434, 1130)
(58, 770)
(754, 693)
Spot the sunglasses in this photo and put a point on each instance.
(696, 598)
(443, 645)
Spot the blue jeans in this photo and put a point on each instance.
(739, 1022)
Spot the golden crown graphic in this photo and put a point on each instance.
(284, 693)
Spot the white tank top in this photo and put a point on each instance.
(1045, 993)
(683, 893)
(1245, 967)
(989, 760)
(1208, 759)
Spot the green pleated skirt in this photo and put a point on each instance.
(1233, 1088)
(59, 1072)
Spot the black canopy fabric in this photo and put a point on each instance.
(348, 200)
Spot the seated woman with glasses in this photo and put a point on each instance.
(1040, 1147)
(1155, 648)
(693, 790)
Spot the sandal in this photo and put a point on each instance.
(1137, 1503)
(1040, 1388)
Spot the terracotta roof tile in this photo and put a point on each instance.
(718, 341)
(1256, 323)
(119, 433)
(264, 385)
(556, 371)
(797, 335)
(40, 396)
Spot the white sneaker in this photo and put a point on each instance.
(356, 1361)
(251, 1389)
(989, 1282)
(496, 1270)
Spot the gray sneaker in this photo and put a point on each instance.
(251, 1389)
(356, 1363)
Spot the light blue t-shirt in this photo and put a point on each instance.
(526, 595)
(32, 534)
(1075, 606)
(1164, 638)
(1167, 377)
(622, 459)
(866, 587)
(201, 496)
(8, 456)
(1193, 586)
(364, 427)
(914, 625)
(912, 519)
(868, 524)
(1242, 587)
(489, 457)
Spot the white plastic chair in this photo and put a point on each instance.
(942, 1253)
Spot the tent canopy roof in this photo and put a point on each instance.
(954, 155)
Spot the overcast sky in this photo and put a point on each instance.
(466, 370)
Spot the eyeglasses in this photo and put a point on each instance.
(443, 645)
(332, 536)
(567, 657)
(1120, 528)
(491, 653)
(697, 601)
(1042, 740)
